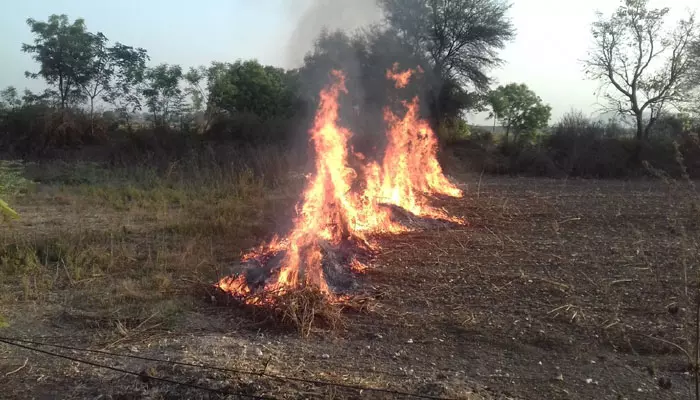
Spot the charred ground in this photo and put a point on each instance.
(573, 289)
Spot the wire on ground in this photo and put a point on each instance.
(124, 371)
(16, 341)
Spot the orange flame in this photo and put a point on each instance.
(410, 168)
(400, 78)
(331, 212)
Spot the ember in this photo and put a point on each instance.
(329, 242)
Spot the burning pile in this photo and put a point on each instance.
(329, 241)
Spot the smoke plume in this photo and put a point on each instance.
(346, 15)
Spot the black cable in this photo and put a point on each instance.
(155, 378)
(333, 364)
(221, 369)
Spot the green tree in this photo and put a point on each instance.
(128, 70)
(63, 52)
(459, 38)
(110, 69)
(196, 79)
(250, 87)
(162, 92)
(81, 64)
(644, 64)
(519, 109)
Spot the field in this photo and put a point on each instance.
(556, 289)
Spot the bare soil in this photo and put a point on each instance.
(556, 289)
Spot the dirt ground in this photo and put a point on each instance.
(557, 289)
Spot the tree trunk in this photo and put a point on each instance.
(62, 92)
(640, 125)
(647, 129)
(92, 116)
(637, 155)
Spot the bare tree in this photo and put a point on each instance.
(694, 78)
(644, 64)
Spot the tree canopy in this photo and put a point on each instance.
(519, 109)
(460, 40)
(250, 87)
(80, 65)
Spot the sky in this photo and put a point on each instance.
(553, 36)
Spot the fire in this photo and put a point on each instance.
(410, 168)
(331, 213)
(400, 78)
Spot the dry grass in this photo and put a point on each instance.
(304, 309)
(120, 251)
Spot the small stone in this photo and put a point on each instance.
(589, 380)
(409, 341)
(560, 377)
(258, 352)
(134, 349)
(325, 356)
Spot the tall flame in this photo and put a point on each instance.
(331, 212)
(410, 168)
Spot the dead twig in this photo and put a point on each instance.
(615, 282)
(568, 220)
(14, 371)
(684, 351)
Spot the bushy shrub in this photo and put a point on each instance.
(35, 130)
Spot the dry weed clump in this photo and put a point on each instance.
(301, 309)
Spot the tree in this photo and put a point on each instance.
(196, 79)
(361, 106)
(162, 91)
(9, 99)
(128, 75)
(62, 51)
(694, 75)
(111, 72)
(693, 80)
(519, 109)
(81, 65)
(248, 86)
(644, 64)
(97, 73)
(460, 39)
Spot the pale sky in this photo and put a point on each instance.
(553, 36)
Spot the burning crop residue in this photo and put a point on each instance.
(329, 241)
